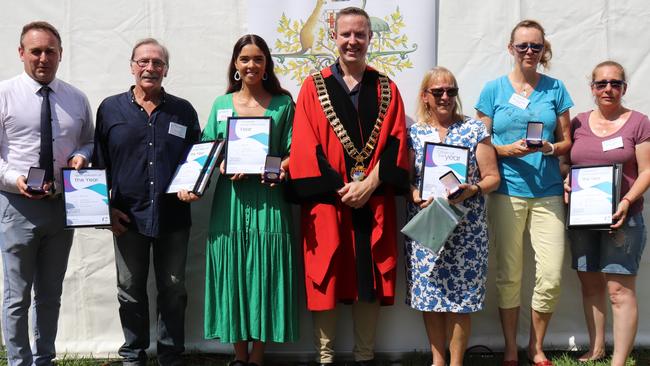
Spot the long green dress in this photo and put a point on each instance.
(250, 287)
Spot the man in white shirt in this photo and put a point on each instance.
(44, 123)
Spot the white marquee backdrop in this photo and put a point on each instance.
(472, 43)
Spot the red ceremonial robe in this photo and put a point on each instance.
(319, 166)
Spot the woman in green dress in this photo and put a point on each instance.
(250, 291)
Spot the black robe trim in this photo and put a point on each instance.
(359, 125)
(320, 189)
(389, 171)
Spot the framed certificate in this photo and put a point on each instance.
(595, 192)
(85, 194)
(438, 160)
(247, 144)
(194, 172)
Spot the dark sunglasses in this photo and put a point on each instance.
(438, 92)
(602, 84)
(523, 47)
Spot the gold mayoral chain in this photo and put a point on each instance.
(358, 172)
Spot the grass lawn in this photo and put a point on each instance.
(638, 358)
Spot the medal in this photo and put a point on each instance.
(358, 173)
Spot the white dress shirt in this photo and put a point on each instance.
(20, 127)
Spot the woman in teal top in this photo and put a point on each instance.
(529, 199)
(250, 291)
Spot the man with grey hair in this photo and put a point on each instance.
(35, 245)
(141, 136)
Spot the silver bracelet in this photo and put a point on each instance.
(550, 152)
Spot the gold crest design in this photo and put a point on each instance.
(304, 47)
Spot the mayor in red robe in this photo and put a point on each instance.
(350, 254)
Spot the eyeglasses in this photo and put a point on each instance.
(438, 92)
(143, 62)
(602, 84)
(523, 47)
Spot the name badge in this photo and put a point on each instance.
(177, 130)
(611, 144)
(431, 137)
(519, 101)
(223, 114)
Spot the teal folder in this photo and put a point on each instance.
(432, 225)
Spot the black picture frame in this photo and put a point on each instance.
(66, 190)
(423, 167)
(616, 176)
(203, 180)
(236, 119)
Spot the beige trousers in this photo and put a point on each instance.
(364, 316)
(509, 219)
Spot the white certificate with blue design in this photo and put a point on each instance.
(194, 172)
(437, 160)
(247, 144)
(85, 194)
(594, 196)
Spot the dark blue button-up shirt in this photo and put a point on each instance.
(141, 153)
(354, 93)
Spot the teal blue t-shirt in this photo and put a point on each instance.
(533, 175)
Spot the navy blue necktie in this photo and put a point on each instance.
(46, 160)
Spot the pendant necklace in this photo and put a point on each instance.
(523, 90)
(605, 125)
(358, 171)
(609, 123)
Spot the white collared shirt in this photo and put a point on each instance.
(20, 127)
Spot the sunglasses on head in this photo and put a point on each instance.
(523, 47)
(602, 84)
(438, 92)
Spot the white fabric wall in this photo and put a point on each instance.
(97, 41)
(472, 40)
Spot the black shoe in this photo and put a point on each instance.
(237, 363)
(365, 363)
(252, 364)
(134, 363)
(176, 361)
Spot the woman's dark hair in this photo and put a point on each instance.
(271, 84)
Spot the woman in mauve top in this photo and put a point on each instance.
(607, 261)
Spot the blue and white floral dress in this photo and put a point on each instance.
(453, 281)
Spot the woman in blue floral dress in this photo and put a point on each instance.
(449, 285)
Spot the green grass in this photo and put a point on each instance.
(191, 360)
(559, 358)
(638, 358)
